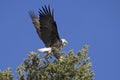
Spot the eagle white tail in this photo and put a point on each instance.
(45, 50)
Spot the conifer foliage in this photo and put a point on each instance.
(6, 75)
(71, 67)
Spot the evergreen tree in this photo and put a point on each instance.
(6, 75)
(69, 67)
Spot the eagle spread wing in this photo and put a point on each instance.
(45, 26)
(48, 27)
(35, 22)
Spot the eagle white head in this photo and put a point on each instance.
(64, 42)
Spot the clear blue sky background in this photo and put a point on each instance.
(92, 22)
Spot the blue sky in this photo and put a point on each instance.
(92, 22)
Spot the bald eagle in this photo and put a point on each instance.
(46, 28)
